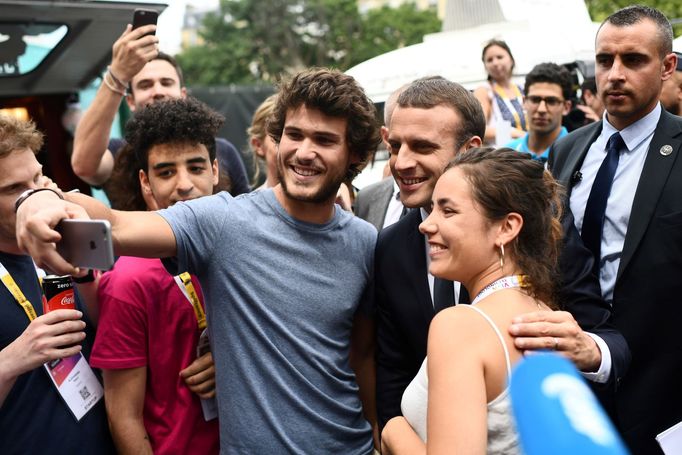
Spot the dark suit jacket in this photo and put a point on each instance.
(647, 299)
(372, 202)
(405, 308)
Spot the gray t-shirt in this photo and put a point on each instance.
(281, 296)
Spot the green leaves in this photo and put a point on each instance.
(250, 41)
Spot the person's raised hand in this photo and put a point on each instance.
(132, 50)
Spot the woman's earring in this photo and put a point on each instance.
(501, 256)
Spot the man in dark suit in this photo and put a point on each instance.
(624, 180)
(434, 120)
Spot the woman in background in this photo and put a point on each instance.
(495, 228)
(501, 99)
(262, 146)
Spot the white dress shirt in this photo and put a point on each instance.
(637, 138)
(395, 207)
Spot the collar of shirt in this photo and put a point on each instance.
(633, 135)
(521, 145)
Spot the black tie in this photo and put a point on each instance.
(443, 294)
(464, 295)
(593, 221)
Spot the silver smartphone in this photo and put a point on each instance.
(86, 243)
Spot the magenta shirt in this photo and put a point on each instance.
(145, 320)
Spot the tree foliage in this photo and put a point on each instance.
(600, 9)
(249, 41)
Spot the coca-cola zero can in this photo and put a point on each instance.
(58, 292)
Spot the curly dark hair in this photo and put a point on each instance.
(553, 74)
(184, 121)
(504, 181)
(337, 95)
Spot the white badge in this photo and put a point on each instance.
(76, 383)
(209, 406)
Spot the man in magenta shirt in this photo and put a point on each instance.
(149, 329)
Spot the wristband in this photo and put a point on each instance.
(116, 79)
(88, 278)
(28, 193)
(110, 86)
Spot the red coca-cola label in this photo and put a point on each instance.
(64, 300)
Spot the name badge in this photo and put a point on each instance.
(209, 406)
(76, 383)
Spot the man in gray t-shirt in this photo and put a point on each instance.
(285, 272)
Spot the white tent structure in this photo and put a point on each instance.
(677, 44)
(559, 31)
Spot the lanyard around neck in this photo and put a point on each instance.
(19, 296)
(517, 94)
(507, 282)
(184, 282)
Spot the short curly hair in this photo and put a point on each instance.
(337, 95)
(173, 121)
(182, 120)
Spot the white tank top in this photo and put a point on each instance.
(502, 435)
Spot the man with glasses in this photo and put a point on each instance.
(548, 90)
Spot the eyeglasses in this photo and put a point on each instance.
(551, 101)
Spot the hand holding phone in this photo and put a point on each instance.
(86, 243)
(143, 17)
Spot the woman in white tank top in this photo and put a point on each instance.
(495, 228)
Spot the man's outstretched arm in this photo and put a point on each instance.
(144, 234)
(91, 160)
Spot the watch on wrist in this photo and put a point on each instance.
(88, 278)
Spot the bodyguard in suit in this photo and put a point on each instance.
(434, 120)
(624, 181)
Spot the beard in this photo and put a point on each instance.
(326, 191)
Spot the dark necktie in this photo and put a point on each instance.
(593, 222)
(443, 294)
(464, 295)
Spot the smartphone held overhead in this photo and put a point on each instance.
(142, 17)
(86, 243)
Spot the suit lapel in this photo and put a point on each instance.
(379, 203)
(654, 177)
(417, 254)
(576, 157)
